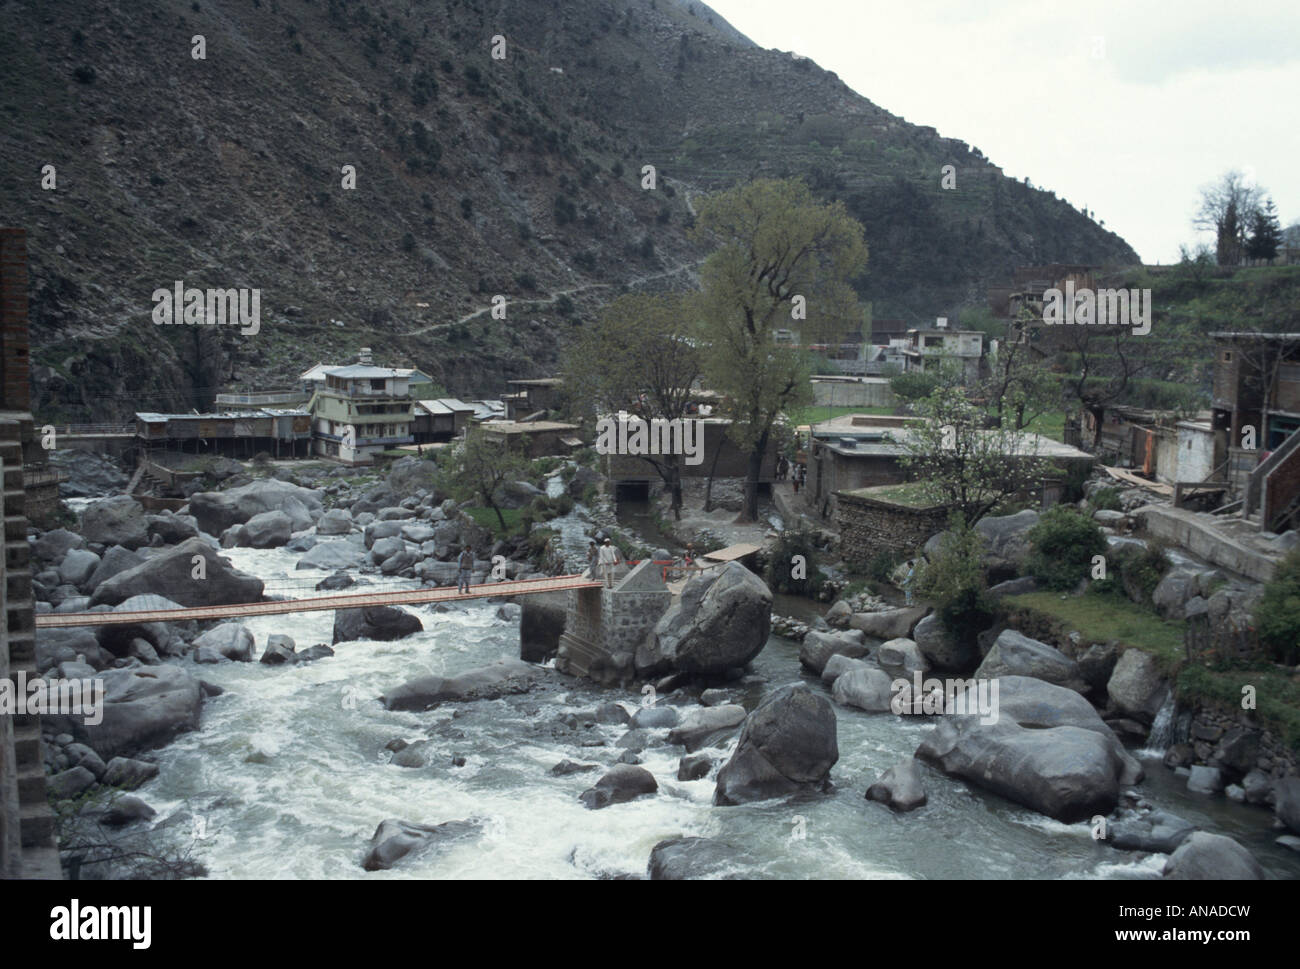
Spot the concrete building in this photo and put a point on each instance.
(440, 420)
(532, 396)
(929, 349)
(360, 411)
(535, 439)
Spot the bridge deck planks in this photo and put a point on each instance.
(359, 600)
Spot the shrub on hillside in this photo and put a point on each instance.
(783, 576)
(1106, 499)
(1061, 547)
(954, 581)
(1133, 572)
(1277, 615)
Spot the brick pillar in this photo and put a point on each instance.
(15, 367)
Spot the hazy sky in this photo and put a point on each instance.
(1182, 91)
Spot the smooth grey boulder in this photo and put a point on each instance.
(70, 783)
(1015, 654)
(1287, 804)
(171, 529)
(1158, 831)
(78, 566)
(705, 726)
(386, 547)
(396, 839)
(270, 529)
(899, 787)
(115, 521)
(818, 647)
(412, 474)
(127, 773)
(1048, 749)
(622, 783)
(114, 560)
(125, 810)
(1205, 856)
(839, 664)
(417, 532)
(888, 623)
(336, 521)
(694, 767)
(176, 575)
(380, 623)
(679, 859)
(788, 745)
(313, 653)
(940, 649)
(79, 755)
(869, 689)
(507, 677)
(1173, 592)
(279, 651)
(655, 716)
(721, 622)
(901, 657)
(1136, 686)
(215, 511)
(52, 547)
(333, 556)
(1006, 542)
(118, 637)
(144, 707)
(1205, 780)
(231, 640)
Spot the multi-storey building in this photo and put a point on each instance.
(361, 410)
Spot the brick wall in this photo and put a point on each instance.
(14, 363)
(868, 527)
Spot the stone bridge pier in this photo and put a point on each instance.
(604, 626)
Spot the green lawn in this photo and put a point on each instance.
(487, 518)
(1106, 618)
(1277, 696)
(1051, 424)
(812, 415)
(911, 494)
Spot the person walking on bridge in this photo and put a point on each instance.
(593, 557)
(609, 559)
(466, 563)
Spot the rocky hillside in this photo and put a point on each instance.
(474, 176)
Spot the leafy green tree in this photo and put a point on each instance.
(775, 243)
(1061, 546)
(962, 463)
(478, 468)
(954, 581)
(638, 357)
(1277, 615)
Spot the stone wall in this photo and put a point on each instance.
(603, 627)
(869, 526)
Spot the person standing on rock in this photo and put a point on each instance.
(466, 563)
(609, 559)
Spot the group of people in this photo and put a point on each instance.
(798, 473)
(603, 559)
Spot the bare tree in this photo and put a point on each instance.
(1227, 208)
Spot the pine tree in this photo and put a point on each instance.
(1265, 233)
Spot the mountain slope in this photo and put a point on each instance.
(474, 177)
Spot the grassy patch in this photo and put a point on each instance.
(1051, 424)
(1104, 619)
(911, 494)
(487, 518)
(1277, 696)
(814, 414)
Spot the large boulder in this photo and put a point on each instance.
(216, 511)
(901, 657)
(231, 640)
(679, 859)
(1173, 592)
(721, 622)
(899, 787)
(888, 623)
(867, 688)
(114, 560)
(541, 624)
(505, 678)
(171, 529)
(409, 475)
(1006, 543)
(705, 726)
(395, 839)
(941, 649)
(788, 745)
(336, 521)
(78, 566)
(1212, 857)
(1014, 654)
(1136, 686)
(174, 574)
(143, 708)
(1287, 804)
(88, 473)
(54, 545)
(622, 783)
(1046, 748)
(380, 623)
(115, 521)
(333, 556)
(817, 648)
(1157, 831)
(163, 636)
(270, 529)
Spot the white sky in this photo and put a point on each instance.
(1185, 90)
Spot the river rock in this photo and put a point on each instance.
(115, 521)
(78, 566)
(487, 683)
(279, 651)
(143, 708)
(867, 689)
(818, 647)
(721, 622)
(79, 755)
(128, 774)
(1287, 802)
(54, 545)
(899, 787)
(333, 557)
(839, 664)
(566, 767)
(381, 623)
(622, 783)
(679, 859)
(1157, 831)
(705, 726)
(336, 521)
(313, 653)
(70, 783)
(166, 638)
(1014, 654)
(541, 624)
(1173, 591)
(230, 640)
(1006, 542)
(655, 716)
(694, 767)
(171, 529)
(940, 649)
(838, 614)
(216, 511)
(88, 473)
(888, 623)
(114, 560)
(1048, 750)
(125, 810)
(787, 745)
(612, 713)
(395, 839)
(410, 475)
(901, 657)
(385, 547)
(1212, 857)
(270, 529)
(170, 573)
(1136, 686)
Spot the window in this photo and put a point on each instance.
(1227, 356)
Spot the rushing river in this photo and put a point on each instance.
(287, 778)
